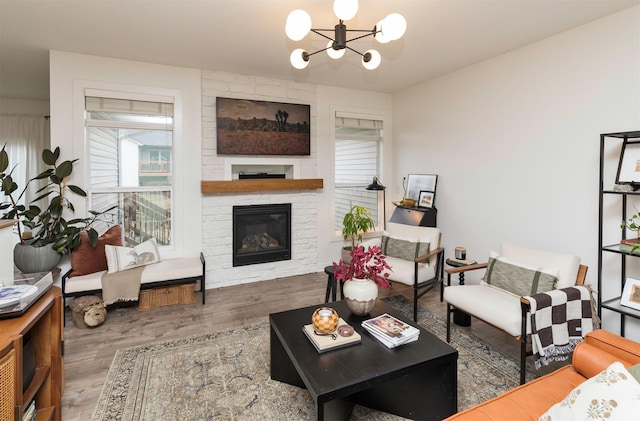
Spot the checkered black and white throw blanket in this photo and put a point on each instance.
(558, 321)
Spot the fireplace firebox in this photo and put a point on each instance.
(261, 233)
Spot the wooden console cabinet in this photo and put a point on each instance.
(41, 327)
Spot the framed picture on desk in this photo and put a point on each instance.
(426, 199)
(417, 183)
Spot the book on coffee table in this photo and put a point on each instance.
(328, 342)
(391, 331)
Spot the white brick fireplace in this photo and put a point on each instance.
(217, 207)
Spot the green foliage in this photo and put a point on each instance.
(632, 223)
(355, 223)
(48, 226)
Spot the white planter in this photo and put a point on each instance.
(360, 295)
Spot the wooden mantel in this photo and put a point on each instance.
(258, 185)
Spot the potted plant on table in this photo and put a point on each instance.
(363, 270)
(51, 235)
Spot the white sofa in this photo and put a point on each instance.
(424, 271)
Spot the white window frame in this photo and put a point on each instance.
(89, 123)
(382, 164)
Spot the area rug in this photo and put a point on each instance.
(225, 375)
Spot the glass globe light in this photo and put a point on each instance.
(374, 59)
(297, 59)
(345, 9)
(393, 26)
(298, 25)
(335, 54)
(379, 36)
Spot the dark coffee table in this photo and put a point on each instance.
(416, 380)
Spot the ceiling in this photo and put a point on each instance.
(247, 36)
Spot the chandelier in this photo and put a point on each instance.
(298, 26)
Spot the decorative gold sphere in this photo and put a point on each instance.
(325, 320)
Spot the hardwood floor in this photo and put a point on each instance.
(89, 352)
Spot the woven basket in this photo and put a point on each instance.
(166, 296)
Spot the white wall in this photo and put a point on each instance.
(515, 140)
(71, 74)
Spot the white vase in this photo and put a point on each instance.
(360, 295)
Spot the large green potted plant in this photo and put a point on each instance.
(51, 234)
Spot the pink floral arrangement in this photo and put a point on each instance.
(365, 264)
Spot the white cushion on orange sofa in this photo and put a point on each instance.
(612, 395)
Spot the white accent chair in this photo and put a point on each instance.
(503, 309)
(424, 272)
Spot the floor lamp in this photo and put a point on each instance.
(375, 185)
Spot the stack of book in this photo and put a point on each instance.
(391, 331)
(459, 262)
(630, 245)
(328, 342)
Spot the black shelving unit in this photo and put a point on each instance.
(623, 197)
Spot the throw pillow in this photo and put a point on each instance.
(87, 259)
(403, 249)
(123, 258)
(518, 279)
(613, 394)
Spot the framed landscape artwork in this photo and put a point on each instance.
(249, 127)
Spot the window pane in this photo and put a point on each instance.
(357, 155)
(142, 215)
(351, 196)
(130, 159)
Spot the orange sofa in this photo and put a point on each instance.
(531, 400)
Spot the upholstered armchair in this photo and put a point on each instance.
(535, 271)
(415, 257)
